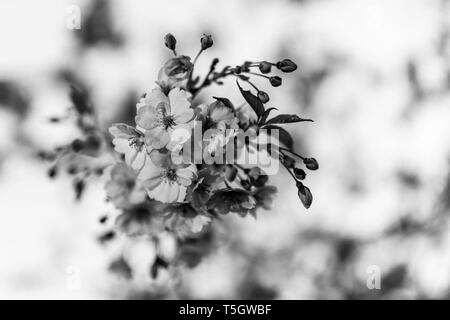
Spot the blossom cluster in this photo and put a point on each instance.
(182, 164)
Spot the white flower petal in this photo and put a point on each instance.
(136, 160)
(178, 137)
(150, 171)
(147, 117)
(174, 192)
(179, 101)
(184, 117)
(157, 138)
(154, 97)
(122, 145)
(137, 196)
(188, 172)
(222, 114)
(153, 182)
(162, 192)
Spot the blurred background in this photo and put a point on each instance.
(375, 77)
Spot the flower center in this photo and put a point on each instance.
(164, 120)
(171, 174)
(168, 122)
(136, 142)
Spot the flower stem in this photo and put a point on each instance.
(293, 176)
(193, 66)
(198, 55)
(250, 83)
(257, 74)
(292, 152)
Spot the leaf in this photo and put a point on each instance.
(252, 100)
(287, 118)
(265, 115)
(283, 135)
(226, 102)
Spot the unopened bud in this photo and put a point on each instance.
(275, 81)
(93, 142)
(206, 41)
(311, 163)
(72, 169)
(263, 96)
(299, 173)
(305, 195)
(77, 145)
(265, 67)
(286, 65)
(170, 41)
(52, 171)
(78, 186)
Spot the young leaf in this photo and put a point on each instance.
(283, 135)
(125, 129)
(252, 100)
(226, 102)
(286, 118)
(265, 115)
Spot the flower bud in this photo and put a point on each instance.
(246, 66)
(92, 145)
(275, 81)
(265, 67)
(77, 145)
(286, 65)
(52, 171)
(305, 195)
(178, 68)
(206, 41)
(78, 186)
(299, 173)
(263, 96)
(72, 169)
(170, 41)
(311, 163)
(93, 142)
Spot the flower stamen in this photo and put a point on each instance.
(168, 122)
(171, 175)
(136, 142)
